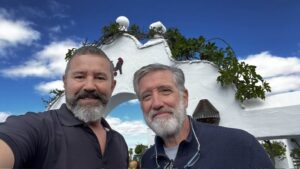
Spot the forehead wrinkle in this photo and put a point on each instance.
(150, 89)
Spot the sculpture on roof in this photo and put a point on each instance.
(118, 66)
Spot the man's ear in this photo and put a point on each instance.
(186, 98)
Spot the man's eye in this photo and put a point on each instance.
(146, 97)
(100, 78)
(166, 91)
(79, 77)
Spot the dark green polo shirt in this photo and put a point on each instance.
(55, 139)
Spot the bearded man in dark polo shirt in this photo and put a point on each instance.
(76, 135)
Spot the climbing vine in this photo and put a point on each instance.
(247, 82)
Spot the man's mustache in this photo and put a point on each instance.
(94, 95)
(153, 113)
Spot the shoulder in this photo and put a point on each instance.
(30, 118)
(223, 134)
(208, 128)
(30, 124)
(25, 134)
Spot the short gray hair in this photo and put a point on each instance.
(178, 75)
(94, 50)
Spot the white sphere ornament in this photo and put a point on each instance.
(123, 22)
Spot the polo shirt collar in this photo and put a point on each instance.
(105, 124)
(67, 118)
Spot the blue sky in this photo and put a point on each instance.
(35, 34)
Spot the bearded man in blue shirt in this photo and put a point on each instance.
(180, 141)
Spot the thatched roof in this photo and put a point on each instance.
(206, 112)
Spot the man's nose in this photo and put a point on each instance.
(157, 102)
(89, 85)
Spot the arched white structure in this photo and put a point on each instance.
(277, 117)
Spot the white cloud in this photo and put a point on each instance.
(282, 73)
(134, 101)
(46, 87)
(284, 83)
(49, 62)
(55, 28)
(269, 65)
(134, 131)
(3, 116)
(134, 127)
(15, 32)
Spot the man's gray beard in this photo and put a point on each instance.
(88, 113)
(167, 127)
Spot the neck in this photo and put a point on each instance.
(180, 136)
(95, 124)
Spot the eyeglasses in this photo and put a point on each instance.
(192, 160)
